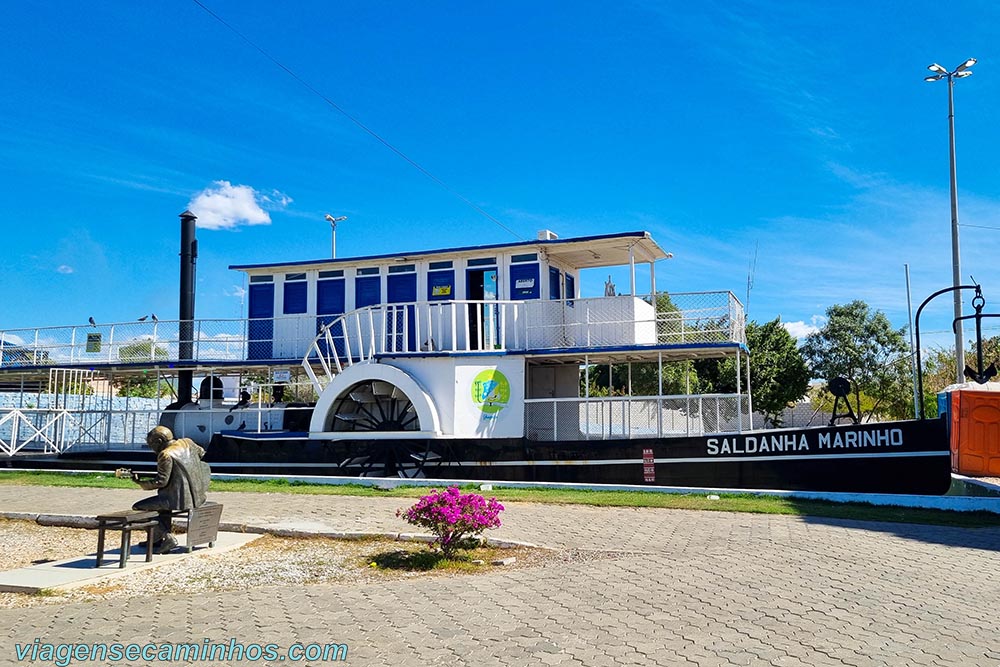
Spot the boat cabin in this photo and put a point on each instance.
(290, 302)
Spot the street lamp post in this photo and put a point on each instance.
(333, 232)
(960, 72)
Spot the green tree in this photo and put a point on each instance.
(141, 386)
(676, 378)
(145, 385)
(142, 350)
(779, 375)
(861, 345)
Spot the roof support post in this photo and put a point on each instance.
(631, 269)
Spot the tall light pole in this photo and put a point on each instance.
(333, 232)
(960, 72)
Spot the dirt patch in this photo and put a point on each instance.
(268, 561)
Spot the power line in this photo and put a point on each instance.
(996, 229)
(356, 121)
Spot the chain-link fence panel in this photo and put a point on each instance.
(628, 418)
(699, 317)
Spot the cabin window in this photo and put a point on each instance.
(330, 296)
(444, 264)
(524, 282)
(260, 328)
(369, 271)
(482, 261)
(262, 279)
(440, 285)
(295, 288)
(555, 287)
(367, 291)
(570, 289)
(528, 257)
(338, 273)
(403, 268)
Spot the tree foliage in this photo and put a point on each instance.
(142, 386)
(142, 350)
(613, 380)
(779, 375)
(861, 345)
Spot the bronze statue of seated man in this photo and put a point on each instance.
(181, 481)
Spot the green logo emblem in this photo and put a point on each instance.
(490, 392)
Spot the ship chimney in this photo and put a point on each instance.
(189, 255)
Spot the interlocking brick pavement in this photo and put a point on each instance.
(694, 588)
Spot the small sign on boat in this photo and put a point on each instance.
(93, 342)
(648, 466)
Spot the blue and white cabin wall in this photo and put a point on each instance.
(288, 304)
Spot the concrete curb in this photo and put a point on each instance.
(952, 503)
(978, 503)
(80, 521)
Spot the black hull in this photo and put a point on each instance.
(907, 457)
(910, 457)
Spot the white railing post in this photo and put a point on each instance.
(503, 326)
(555, 421)
(361, 336)
(416, 329)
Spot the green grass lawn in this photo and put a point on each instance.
(725, 503)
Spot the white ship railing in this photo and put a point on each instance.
(47, 430)
(520, 326)
(411, 328)
(635, 417)
(124, 342)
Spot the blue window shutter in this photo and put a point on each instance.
(295, 298)
(330, 297)
(524, 282)
(367, 291)
(555, 291)
(440, 285)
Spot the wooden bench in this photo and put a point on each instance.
(202, 524)
(126, 521)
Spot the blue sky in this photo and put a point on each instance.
(803, 129)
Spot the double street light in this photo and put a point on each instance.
(333, 232)
(960, 72)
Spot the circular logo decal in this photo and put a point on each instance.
(490, 391)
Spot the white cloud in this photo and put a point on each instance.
(65, 269)
(800, 329)
(226, 206)
(236, 291)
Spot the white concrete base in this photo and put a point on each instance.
(76, 572)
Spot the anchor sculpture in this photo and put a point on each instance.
(979, 374)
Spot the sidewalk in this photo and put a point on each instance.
(703, 588)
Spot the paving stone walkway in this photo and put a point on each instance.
(695, 588)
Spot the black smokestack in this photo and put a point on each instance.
(189, 255)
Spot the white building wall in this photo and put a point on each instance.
(463, 414)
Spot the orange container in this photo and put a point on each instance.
(975, 432)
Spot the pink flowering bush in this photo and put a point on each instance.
(457, 519)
